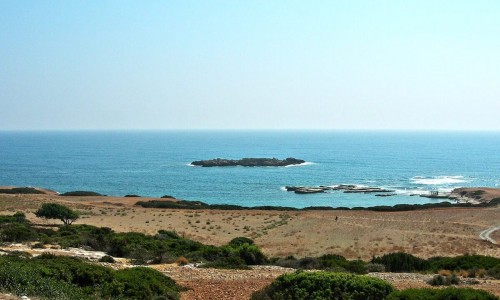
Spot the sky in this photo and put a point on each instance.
(335, 65)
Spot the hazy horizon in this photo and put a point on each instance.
(259, 65)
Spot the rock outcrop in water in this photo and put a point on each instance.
(248, 162)
(346, 188)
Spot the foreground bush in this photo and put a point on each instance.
(54, 277)
(324, 285)
(450, 293)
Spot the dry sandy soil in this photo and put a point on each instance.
(353, 234)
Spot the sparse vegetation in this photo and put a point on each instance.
(166, 246)
(107, 259)
(184, 204)
(441, 294)
(81, 193)
(451, 279)
(402, 262)
(330, 262)
(21, 190)
(474, 265)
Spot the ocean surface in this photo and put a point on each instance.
(156, 163)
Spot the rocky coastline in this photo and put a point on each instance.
(248, 162)
(347, 188)
(458, 195)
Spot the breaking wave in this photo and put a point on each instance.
(307, 163)
(438, 180)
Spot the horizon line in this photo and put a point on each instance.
(249, 129)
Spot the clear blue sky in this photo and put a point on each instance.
(250, 64)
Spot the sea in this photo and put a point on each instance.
(157, 163)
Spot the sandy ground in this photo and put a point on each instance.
(353, 234)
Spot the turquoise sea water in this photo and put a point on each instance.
(155, 163)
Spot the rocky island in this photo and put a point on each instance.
(248, 162)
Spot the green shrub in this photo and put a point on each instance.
(463, 262)
(238, 241)
(251, 254)
(230, 262)
(81, 193)
(55, 277)
(143, 283)
(372, 267)
(444, 280)
(166, 234)
(330, 262)
(17, 232)
(337, 262)
(324, 285)
(450, 293)
(494, 272)
(402, 262)
(21, 190)
(107, 259)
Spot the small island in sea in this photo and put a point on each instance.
(248, 162)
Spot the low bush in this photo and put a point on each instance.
(107, 259)
(444, 280)
(21, 190)
(16, 229)
(329, 262)
(402, 262)
(372, 267)
(471, 265)
(324, 285)
(143, 283)
(81, 193)
(494, 272)
(463, 262)
(55, 277)
(183, 204)
(238, 241)
(450, 293)
(166, 234)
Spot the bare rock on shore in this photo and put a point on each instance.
(347, 188)
(476, 195)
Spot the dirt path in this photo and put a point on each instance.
(486, 234)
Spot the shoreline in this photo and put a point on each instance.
(458, 197)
